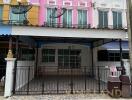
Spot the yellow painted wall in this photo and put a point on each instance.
(14, 2)
(33, 15)
(6, 11)
(1, 1)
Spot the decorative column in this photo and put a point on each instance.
(95, 17)
(110, 19)
(9, 76)
(127, 67)
(9, 71)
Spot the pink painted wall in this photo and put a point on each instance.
(34, 1)
(42, 11)
(59, 4)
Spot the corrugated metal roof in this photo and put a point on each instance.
(5, 30)
(115, 45)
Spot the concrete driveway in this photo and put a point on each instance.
(62, 97)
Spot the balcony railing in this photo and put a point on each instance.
(111, 27)
(13, 22)
(60, 25)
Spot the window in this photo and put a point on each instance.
(67, 18)
(111, 55)
(51, 21)
(69, 58)
(16, 18)
(117, 19)
(1, 12)
(103, 19)
(48, 55)
(82, 18)
(26, 54)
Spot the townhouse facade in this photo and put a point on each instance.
(76, 40)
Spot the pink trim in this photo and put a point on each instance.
(75, 13)
(34, 1)
(59, 3)
(42, 12)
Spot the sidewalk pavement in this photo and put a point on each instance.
(63, 97)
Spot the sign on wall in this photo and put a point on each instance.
(6, 1)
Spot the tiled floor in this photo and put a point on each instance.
(51, 84)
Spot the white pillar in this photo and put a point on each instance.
(95, 18)
(9, 76)
(127, 66)
(124, 19)
(110, 19)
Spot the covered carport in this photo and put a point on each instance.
(37, 36)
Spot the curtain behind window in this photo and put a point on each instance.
(103, 19)
(51, 21)
(114, 19)
(16, 18)
(13, 17)
(82, 18)
(117, 19)
(21, 17)
(67, 18)
(100, 19)
(1, 12)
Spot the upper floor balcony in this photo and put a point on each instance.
(61, 25)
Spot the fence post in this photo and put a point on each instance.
(85, 79)
(9, 76)
(43, 84)
(71, 84)
(28, 80)
(98, 79)
(58, 80)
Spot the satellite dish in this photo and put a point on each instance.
(59, 11)
(22, 8)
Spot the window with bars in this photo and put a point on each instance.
(111, 55)
(48, 55)
(117, 19)
(103, 19)
(67, 18)
(82, 18)
(51, 21)
(69, 58)
(16, 18)
(26, 54)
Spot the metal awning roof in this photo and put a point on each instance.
(5, 30)
(115, 45)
